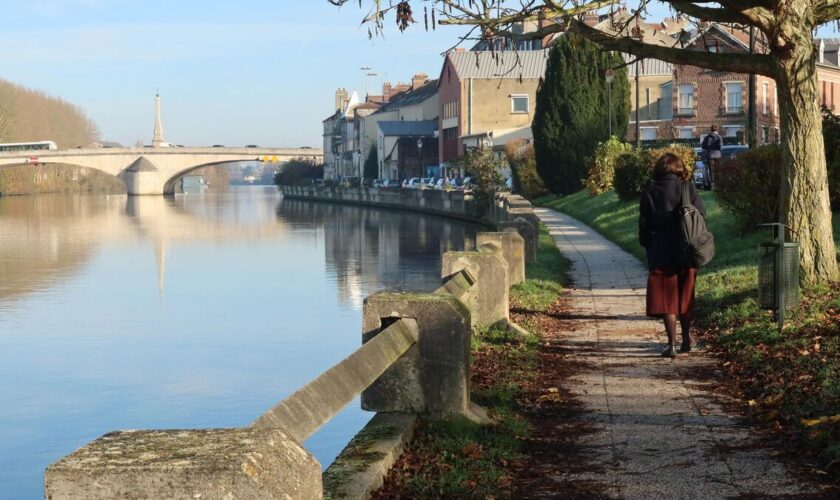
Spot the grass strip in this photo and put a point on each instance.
(784, 378)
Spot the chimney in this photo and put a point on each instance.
(418, 80)
(340, 99)
(386, 91)
(591, 18)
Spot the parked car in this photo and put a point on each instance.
(701, 175)
(442, 184)
(378, 183)
(411, 183)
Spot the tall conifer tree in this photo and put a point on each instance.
(572, 113)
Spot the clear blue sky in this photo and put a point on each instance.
(248, 72)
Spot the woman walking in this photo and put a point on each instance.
(670, 286)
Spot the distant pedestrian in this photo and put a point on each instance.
(711, 145)
(671, 277)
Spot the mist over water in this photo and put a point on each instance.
(197, 311)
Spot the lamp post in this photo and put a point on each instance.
(420, 155)
(608, 76)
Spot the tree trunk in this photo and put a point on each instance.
(804, 194)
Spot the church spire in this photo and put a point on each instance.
(158, 139)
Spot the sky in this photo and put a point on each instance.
(234, 73)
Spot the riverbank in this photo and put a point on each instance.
(787, 381)
(458, 458)
(57, 178)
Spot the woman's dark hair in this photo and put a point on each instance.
(670, 163)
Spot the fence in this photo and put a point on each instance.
(414, 360)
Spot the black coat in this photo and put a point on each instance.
(659, 221)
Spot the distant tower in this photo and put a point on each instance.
(158, 141)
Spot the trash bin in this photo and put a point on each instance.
(778, 273)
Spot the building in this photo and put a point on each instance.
(703, 97)
(394, 130)
(351, 130)
(686, 103)
(486, 99)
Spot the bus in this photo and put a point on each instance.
(27, 146)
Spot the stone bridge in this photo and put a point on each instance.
(154, 170)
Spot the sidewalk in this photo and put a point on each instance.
(660, 431)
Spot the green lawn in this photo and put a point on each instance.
(784, 376)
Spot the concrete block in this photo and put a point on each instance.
(488, 299)
(360, 469)
(529, 233)
(513, 250)
(433, 377)
(207, 464)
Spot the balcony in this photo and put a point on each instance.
(732, 110)
(685, 111)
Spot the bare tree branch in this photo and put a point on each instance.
(741, 63)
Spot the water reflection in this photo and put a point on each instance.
(369, 250)
(194, 311)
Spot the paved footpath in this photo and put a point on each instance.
(659, 431)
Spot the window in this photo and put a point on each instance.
(647, 133)
(686, 99)
(734, 104)
(765, 95)
(766, 135)
(686, 132)
(450, 109)
(732, 130)
(519, 103)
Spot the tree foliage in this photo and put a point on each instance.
(484, 166)
(600, 169)
(299, 172)
(523, 165)
(29, 115)
(572, 110)
(371, 168)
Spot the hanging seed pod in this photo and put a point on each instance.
(433, 19)
(426, 18)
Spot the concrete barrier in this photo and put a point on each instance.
(513, 250)
(488, 300)
(214, 464)
(530, 235)
(433, 377)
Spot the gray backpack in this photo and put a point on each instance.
(698, 242)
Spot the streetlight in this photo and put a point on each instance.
(420, 155)
(609, 74)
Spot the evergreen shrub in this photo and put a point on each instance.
(523, 164)
(633, 169)
(748, 186)
(601, 168)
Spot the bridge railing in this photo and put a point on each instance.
(414, 361)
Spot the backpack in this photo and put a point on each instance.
(698, 243)
(711, 141)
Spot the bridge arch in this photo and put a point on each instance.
(171, 183)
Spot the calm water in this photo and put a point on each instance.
(197, 311)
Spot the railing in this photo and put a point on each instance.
(414, 360)
(685, 111)
(732, 110)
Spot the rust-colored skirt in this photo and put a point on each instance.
(670, 291)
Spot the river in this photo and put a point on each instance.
(197, 311)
